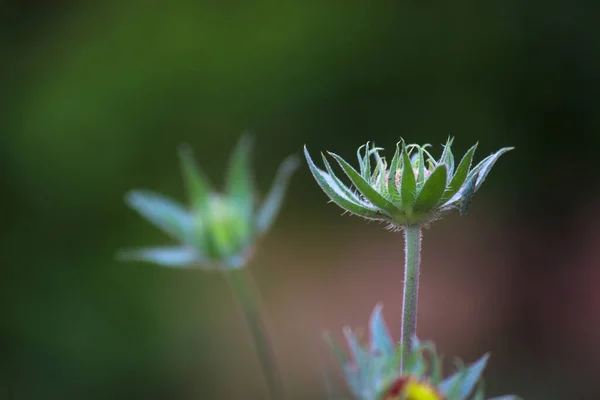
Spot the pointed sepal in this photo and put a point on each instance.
(197, 185)
(164, 213)
(274, 199)
(432, 191)
(336, 194)
(175, 257)
(462, 383)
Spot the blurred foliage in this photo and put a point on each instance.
(97, 95)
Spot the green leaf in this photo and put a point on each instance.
(337, 195)
(178, 257)
(408, 184)
(448, 158)
(163, 212)
(421, 170)
(486, 166)
(461, 174)
(381, 341)
(470, 376)
(392, 188)
(274, 199)
(364, 162)
(379, 176)
(240, 183)
(507, 397)
(370, 194)
(466, 196)
(349, 194)
(432, 190)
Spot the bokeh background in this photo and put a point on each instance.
(96, 96)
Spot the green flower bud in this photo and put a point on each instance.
(413, 189)
(216, 230)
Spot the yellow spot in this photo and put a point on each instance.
(406, 388)
(419, 391)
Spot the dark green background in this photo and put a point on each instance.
(97, 95)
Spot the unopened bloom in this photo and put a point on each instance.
(413, 189)
(372, 369)
(216, 230)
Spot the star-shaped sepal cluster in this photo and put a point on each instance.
(413, 189)
(216, 230)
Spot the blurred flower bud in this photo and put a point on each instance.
(216, 230)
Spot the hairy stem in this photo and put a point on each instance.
(412, 239)
(246, 296)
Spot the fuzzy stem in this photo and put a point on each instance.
(246, 296)
(412, 239)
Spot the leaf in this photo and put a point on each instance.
(196, 184)
(358, 353)
(381, 341)
(364, 162)
(435, 363)
(408, 184)
(363, 187)
(178, 257)
(466, 196)
(337, 195)
(392, 188)
(349, 194)
(163, 212)
(421, 170)
(479, 394)
(448, 158)
(415, 362)
(432, 190)
(274, 199)
(461, 174)
(507, 397)
(335, 348)
(486, 166)
(240, 183)
(470, 376)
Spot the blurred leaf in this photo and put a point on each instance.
(465, 380)
(179, 257)
(163, 212)
(274, 199)
(240, 182)
(381, 341)
(197, 185)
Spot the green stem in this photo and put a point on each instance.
(412, 239)
(246, 296)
